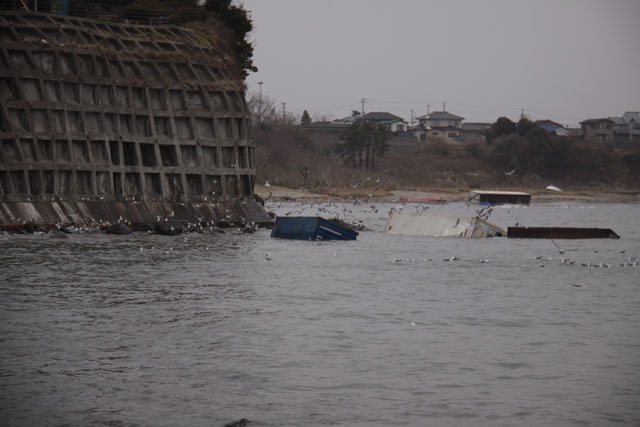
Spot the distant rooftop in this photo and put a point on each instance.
(549, 125)
(631, 115)
(440, 115)
(475, 126)
(331, 126)
(589, 121)
(379, 116)
(418, 127)
(444, 128)
(618, 120)
(347, 119)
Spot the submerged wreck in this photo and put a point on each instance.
(312, 228)
(441, 226)
(103, 121)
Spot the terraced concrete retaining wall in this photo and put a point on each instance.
(102, 111)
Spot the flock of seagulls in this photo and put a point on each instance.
(542, 261)
(629, 262)
(350, 212)
(563, 261)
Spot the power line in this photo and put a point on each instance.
(339, 107)
(440, 102)
(556, 115)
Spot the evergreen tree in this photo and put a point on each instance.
(380, 146)
(525, 125)
(305, 119)
(502, 126)
(364, 145)
(238, 20)
(350, 151)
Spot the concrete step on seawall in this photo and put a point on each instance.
(233, 212)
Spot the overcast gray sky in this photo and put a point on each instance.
(567, 60)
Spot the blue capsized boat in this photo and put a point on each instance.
(311, 228)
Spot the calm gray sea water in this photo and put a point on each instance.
(147, 330)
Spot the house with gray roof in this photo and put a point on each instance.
(440, 119)
(439, 125)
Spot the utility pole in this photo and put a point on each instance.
(363, 101)
(521, 113)
(283, 112)
(260, 103)
(411, 122)
(444, 106)
(428, 108)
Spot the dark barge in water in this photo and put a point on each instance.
(500, 197)
(561, 233)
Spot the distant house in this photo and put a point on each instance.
(598, 129)
(620, 129)
(625, 129)
(391, 122)
(552, 127)
(419, 132)
(474, 131)
(632, 117)
(440, 119)
(441, 125)
(445, 133)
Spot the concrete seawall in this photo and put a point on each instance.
(122, 114)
